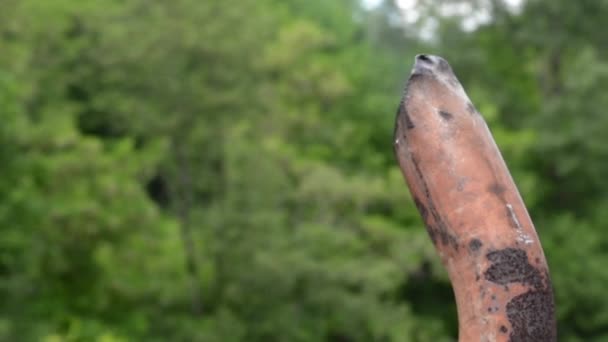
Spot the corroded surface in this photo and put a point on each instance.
(472, 210)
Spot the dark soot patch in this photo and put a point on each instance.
(497, 189)
(425, 216)
(475, 245)
(510, 265)
(404, 116)
(402, 121)
(439, 228)
(503, 329)
(446, 115)
(419, 75)
(421, 208)
(447, 238)
(532, 317)
(432, 233)
(531, 314)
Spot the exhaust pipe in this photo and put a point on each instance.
(472, 210)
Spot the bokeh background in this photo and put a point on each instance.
(222, 170)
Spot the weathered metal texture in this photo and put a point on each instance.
(472, 210)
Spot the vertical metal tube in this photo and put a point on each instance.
(472, 210)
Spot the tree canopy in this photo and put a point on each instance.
(223, 170)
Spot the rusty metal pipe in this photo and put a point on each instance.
(472, 210)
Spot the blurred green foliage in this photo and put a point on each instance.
(222, 170)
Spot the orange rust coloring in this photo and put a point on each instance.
(472, 210)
